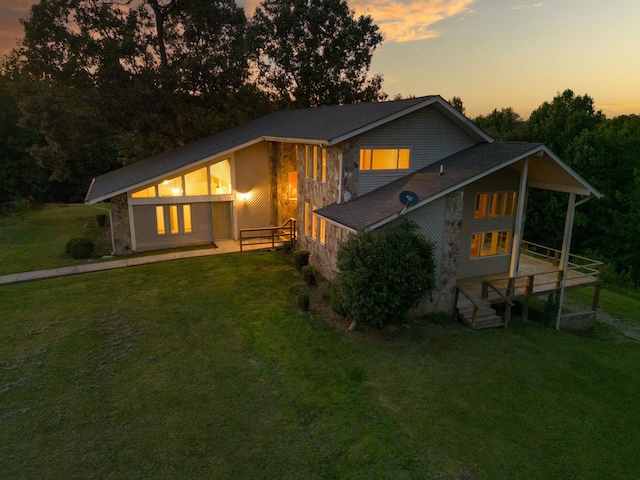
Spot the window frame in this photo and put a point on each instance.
(367, 159)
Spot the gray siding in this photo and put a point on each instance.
(429, 135)
(430, 219)
(252, 175)
(147, 237)
(504, 180)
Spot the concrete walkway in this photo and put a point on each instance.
(224, 246)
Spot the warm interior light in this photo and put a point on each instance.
(176, 192)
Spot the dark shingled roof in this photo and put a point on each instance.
(460, 168)
(326, 124)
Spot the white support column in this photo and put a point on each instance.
(564, 255)
(517, 232)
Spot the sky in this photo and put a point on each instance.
(490, 53)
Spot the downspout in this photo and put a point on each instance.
(566, 247)
(113, 237)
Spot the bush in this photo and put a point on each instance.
(287, 247)
(79, 247)
(303, 301)
(384, 273)
(300, 259)
(336, 300)
(309, 274)
(101, 218)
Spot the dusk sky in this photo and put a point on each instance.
(491, 53)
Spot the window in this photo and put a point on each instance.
(323, 165)
(220, 177)
(149, 192)
(314, 223)
(307, 224)
(314, 172)
(490, 243)
(494, 205)
(195, 183)
(323, 230)
(384, 159)
(172, 187)
(160, 220)
(173, 216)
(186, 213)
(293, 185)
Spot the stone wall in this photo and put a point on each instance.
(121, 225)
(283, 160)
(350, 161)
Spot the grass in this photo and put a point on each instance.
(35, 240)
(622, 304)
(206, 368)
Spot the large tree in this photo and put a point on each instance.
(503, 125)
(315, 52)
(113, 81)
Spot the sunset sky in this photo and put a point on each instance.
(491, 53)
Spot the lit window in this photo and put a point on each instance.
(195, 183)
(314, 172)
(322, 230)
(509, 203)
(482, 200)
(384, 159)
(186, 212)
(171, 187)
(220, 177)
(173, 215)
(149, 192)
(490, 243)
(323, 165)
(496, 205)
(293, 186)
(307, 224)
(314, 224)
(160, 220)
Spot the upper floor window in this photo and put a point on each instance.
(384, 159)
(494, 205)
(315, 162)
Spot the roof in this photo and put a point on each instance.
(383, 204)
(324, 126)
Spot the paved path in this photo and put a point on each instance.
(223, 246)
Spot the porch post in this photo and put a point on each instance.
(517, 232)
(566, 247)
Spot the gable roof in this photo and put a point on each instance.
(322, 126)
(382, 205)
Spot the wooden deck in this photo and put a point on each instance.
(538, 274)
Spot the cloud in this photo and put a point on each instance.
(527, 7)
(409, 20)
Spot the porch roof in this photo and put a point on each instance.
(321, 126)
(460, 169)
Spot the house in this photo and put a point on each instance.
(344, 168)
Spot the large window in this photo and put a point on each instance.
(384, 159)
(172, 212)
(214, 179)
(494, 205)
(490, 243)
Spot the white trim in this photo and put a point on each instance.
(558, 188)
(519, 220)
(225, 197)
(337, 224)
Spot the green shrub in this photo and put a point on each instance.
(101, 218)
(303, 301)
(336, 300)
(80, 247)
(384, 273)
(287, 247)
(300, 259)
(309, 274)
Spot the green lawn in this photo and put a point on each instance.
(204, 368)
(35, 240)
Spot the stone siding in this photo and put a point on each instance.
(283, 160)
(121, 225)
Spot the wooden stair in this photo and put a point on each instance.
(485, 314)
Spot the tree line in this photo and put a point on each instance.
(97, 84)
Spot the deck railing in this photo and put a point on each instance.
(269, 235)
(580, 266)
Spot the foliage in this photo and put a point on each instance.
(456, 102)
(336, 300)
(303, 301)
(314, 53)
(79, 247)
(384, 273)
(309, 274)
(504, 125)
(300, 259)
